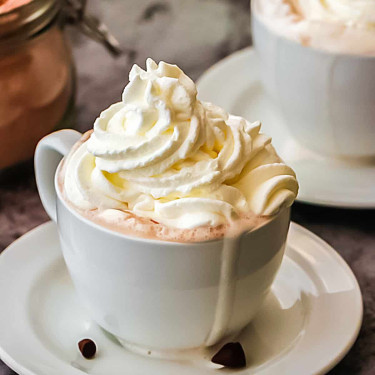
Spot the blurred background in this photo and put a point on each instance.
(193, 34)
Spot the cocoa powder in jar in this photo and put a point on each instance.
(35, 90)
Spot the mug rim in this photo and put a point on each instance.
(353, 56)
(138, 238)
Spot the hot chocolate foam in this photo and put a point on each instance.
(132, 225)
(340, 26)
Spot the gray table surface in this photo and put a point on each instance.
(194, 34)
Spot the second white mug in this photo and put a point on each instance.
(327, 99)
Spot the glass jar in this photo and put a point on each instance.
(36, 78)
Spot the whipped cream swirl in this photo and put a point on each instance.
(162, 154)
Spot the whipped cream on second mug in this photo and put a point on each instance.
(346, 26)
(163, 155)
(353, 13)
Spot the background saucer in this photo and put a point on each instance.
(234, 83)
(307, 324)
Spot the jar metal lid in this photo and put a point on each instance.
(27, 20)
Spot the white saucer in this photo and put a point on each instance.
(234, 84)
(307, 324)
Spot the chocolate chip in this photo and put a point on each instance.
(230, 355)
(87, 348)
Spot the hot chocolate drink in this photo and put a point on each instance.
(162, 164)
(36, 77)
(340, 26)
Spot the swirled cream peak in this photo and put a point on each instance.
(162, 154)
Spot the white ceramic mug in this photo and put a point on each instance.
(327, 99)
(157, 294)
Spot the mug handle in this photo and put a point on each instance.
(48, 154)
